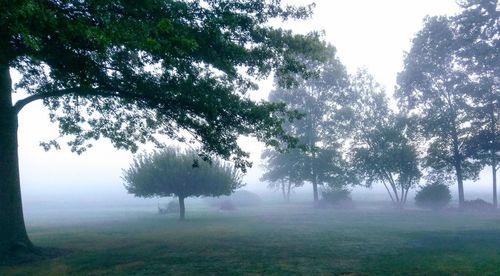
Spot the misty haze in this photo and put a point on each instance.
(173, 137)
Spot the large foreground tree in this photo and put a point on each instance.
(132, 70)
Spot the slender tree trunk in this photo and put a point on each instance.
(13, 236)
(493, 141)
(288, 191)
(182, 208)
(494, 174)
(315, 190)
(283, 190)
(458, 170)
(314, 177)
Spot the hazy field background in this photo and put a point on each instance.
(272, 238)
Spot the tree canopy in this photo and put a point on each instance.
(128, 70)
(172, 172)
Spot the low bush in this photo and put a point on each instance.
(478, 205)
(337, 197)
(433, 196)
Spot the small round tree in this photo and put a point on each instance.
(172, 172)
(434, 196)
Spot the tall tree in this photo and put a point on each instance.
(382, 150)
(324, 102)
(477, 29)
(172, 172)
(132, 70)
(434, 86)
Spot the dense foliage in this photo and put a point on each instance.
(434, 196)
(172, 172)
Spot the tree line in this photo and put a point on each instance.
(445, 127)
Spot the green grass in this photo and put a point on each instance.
(279, 240)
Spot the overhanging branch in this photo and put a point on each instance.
(82, 92)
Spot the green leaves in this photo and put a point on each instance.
(174, 172)
(159, 67)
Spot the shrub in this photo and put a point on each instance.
(338, 197)
(478, 205)
(433, 196)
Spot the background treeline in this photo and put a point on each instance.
(439, 128)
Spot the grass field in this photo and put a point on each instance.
(277, 239)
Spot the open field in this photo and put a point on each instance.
(276, 239)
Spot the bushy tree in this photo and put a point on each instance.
(132, 70)
(172, 172)
(382, 149)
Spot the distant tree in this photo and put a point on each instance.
(132, 70)
(382, 150)
(171, 172)
(477, 30)
(283, 170)
(435, 87)
(324, 103)
(387, 156)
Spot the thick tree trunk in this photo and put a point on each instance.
(182, 208)
(13, 236)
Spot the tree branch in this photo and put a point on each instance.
(80, 92)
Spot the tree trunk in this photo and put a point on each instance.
(288, 191)
(182, 208)
(314, 177)
(458, 170)
(283, 190)
(493, 128)
(494, 172)
(13, 236)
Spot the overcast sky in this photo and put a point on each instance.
(367, 33)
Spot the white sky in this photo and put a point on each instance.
(368, 33)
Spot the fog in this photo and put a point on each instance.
(371, 34)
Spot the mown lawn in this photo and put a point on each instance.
(279, 240)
